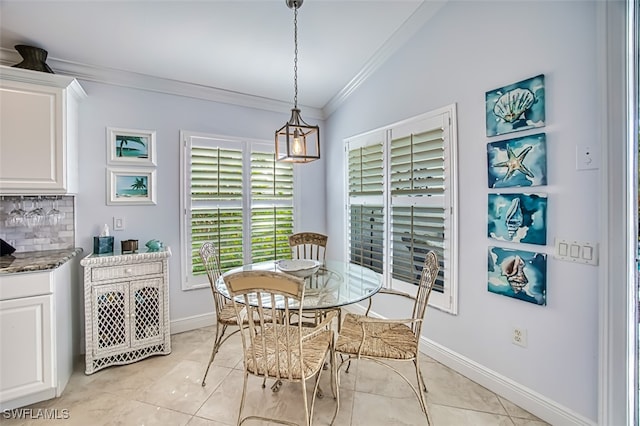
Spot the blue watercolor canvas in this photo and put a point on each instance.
(519, 218)
(517, 162)
(518, 274)
(518, 106)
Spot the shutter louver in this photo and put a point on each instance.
(416, 230)
(365, 170)
(216, 174)
(366, 236)
(417, 164)
(221, 226)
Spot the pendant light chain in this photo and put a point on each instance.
(295, 58)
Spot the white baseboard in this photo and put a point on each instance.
(535, 403)
(191, 323)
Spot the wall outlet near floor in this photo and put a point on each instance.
(519, 336)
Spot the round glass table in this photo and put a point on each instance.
(334, 285)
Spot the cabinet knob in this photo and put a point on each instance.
(128, 271)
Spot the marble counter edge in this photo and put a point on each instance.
(44, 265)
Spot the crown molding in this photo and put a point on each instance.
(416, 21)
(139, 81)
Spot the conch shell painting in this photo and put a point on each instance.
(517, 218)
(514, 217)
(513, 269)
(518, 106)
(518, 274)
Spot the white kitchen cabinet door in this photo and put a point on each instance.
(26, 346)
(38, 132)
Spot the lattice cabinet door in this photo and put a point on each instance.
(111, 318)
(126, 308)
(147, 304)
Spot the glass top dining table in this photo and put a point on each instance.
(334, 285)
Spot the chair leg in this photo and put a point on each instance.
(216, 346)
(244, 394)
(421, 382)
(421, 387)
(334, 382)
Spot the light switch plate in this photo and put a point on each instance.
(576, 251)
(587, 157)
(118, 223)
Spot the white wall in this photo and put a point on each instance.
(166, 114)
(469, 48)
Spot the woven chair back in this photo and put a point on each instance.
(271, 344)
(211, 263)
(308, 245)
(427, 280)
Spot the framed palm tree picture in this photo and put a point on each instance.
(131, 186)
(131, 147)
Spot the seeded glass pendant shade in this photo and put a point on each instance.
(297, 141)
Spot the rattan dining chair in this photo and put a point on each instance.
(308, 245)
(225, 314)
(382, 340)
(273, 347)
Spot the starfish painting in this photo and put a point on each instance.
(514, 163)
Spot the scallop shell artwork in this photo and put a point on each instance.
(512, 105)
(513, 269)
(515, 107)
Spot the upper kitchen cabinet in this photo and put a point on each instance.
(38, 132)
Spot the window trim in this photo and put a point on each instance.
(448, 301)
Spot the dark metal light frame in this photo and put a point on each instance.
(297, 141)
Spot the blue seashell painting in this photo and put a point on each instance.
(519, 218)
(518, 106)
(517, 162)
(518, 274)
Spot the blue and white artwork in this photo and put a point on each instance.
(518, 274)
(519, 218)
(517, 162)
(518, 106)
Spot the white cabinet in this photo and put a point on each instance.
(38, 132)
(36, 334)
(126, 308)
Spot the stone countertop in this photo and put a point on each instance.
(32, 261)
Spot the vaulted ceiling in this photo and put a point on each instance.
(234, 50)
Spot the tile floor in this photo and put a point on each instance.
(166, 390)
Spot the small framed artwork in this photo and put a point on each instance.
(518, 274)
(517, 162)
(518, 106)
(518, 218)
(131, 147)
(131, 186)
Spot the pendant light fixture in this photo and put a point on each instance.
(297, 141)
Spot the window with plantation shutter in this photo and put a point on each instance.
(236, 195)
(402, 186)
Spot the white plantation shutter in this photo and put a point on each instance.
(237, 196)
(417, 201)
(272, 210)
(366, 211)
(401, 190)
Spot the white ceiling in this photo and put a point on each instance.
(236, 47)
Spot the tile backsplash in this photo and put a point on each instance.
(33, 232)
